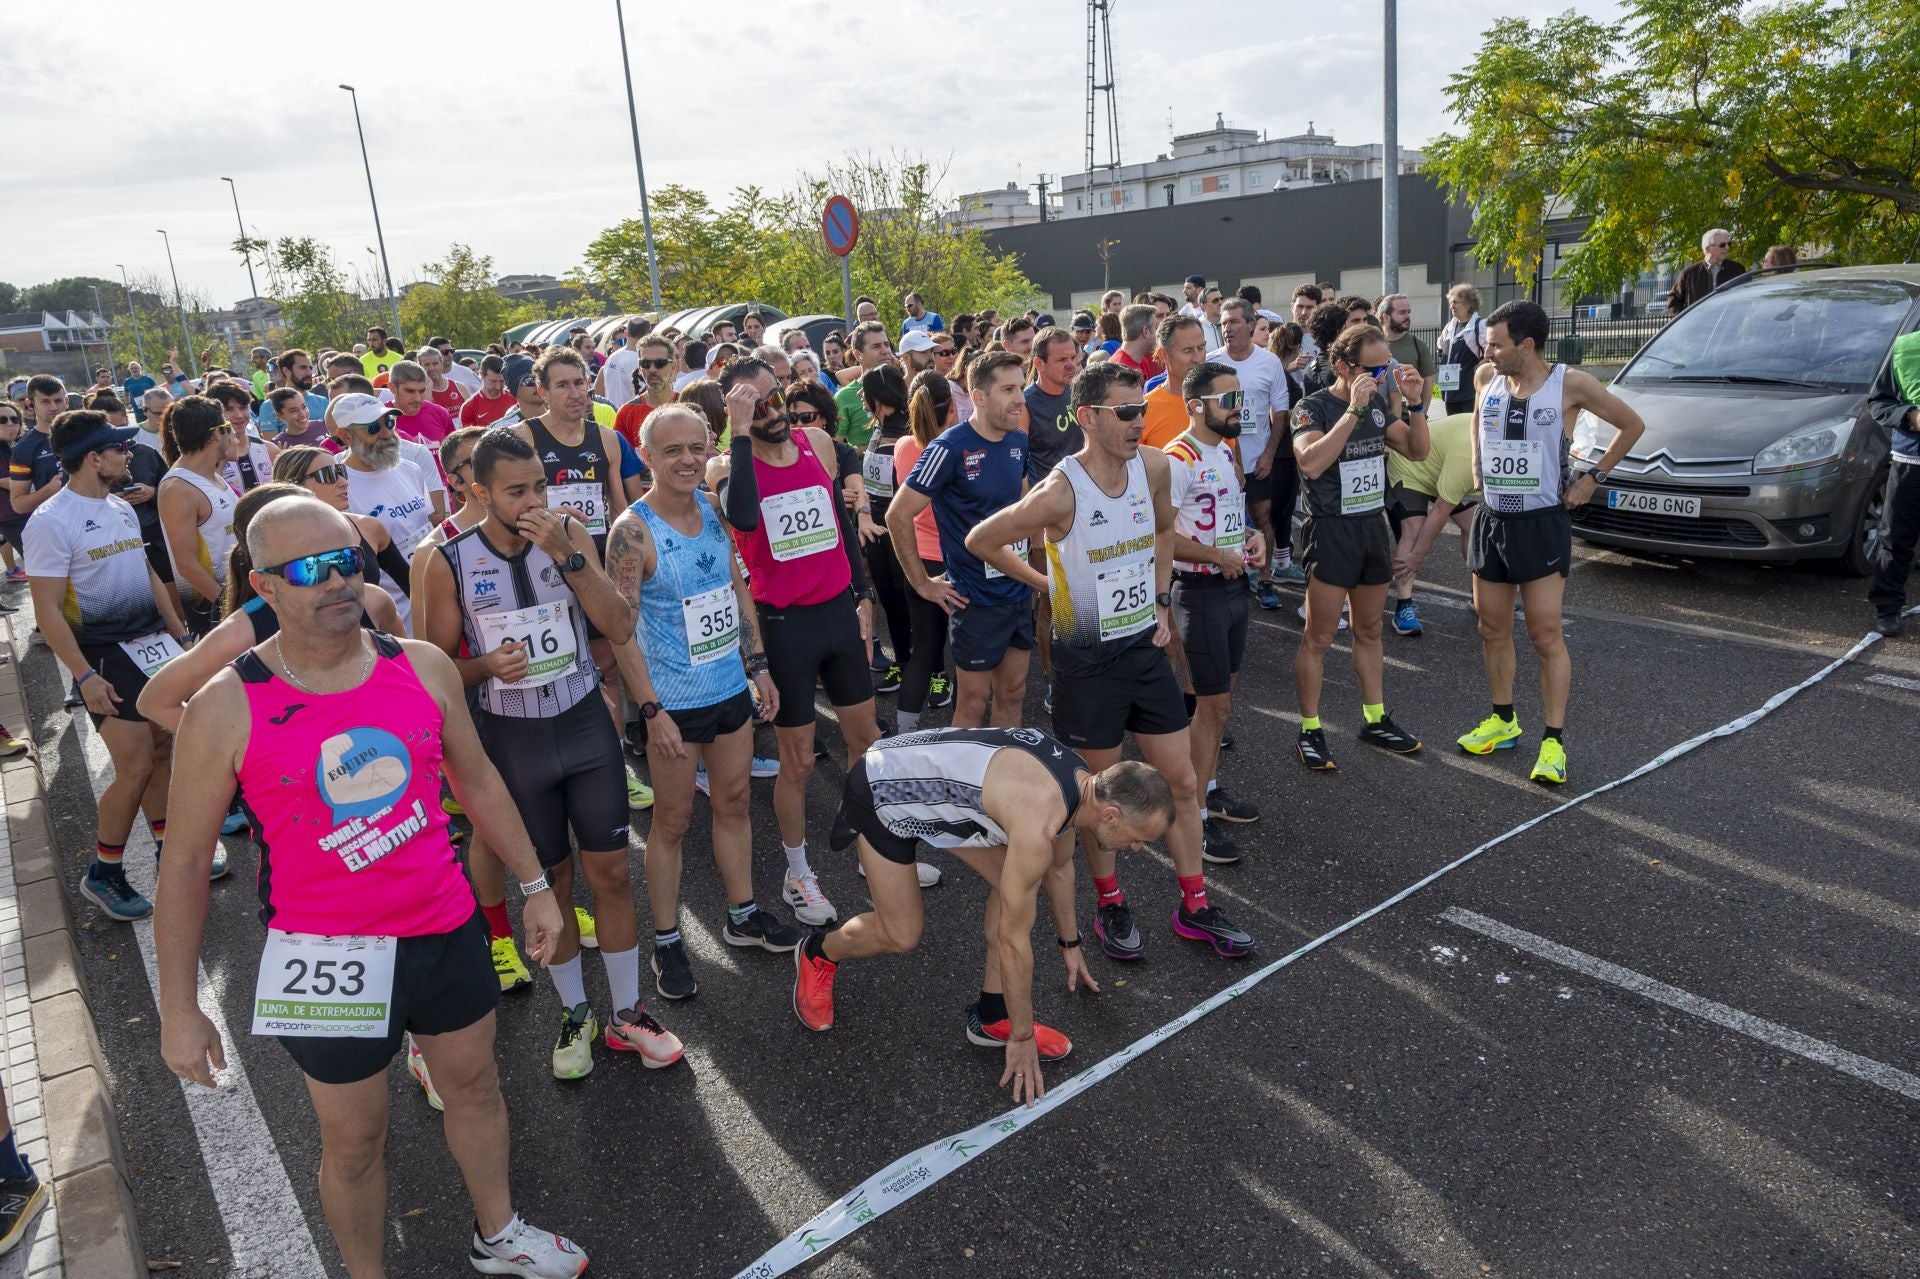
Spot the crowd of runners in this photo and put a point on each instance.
(428, 629)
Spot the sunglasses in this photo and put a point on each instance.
(1378, 370)
(332, 474)
(1228, 399)
(113, 448)
(455, 469)
(312, 570)
(1125, 412)
(768, 405)
(655, 364)
(376, 426)
(224, 430)
(13, 421)
(807, 418)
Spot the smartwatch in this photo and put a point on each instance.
(1164, 599)
(1597, 475)
(573, 563)
(528, 887)
(649, 709)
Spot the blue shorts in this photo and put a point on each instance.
(979, 635)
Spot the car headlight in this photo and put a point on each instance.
(1813, 445)
(1591, 436)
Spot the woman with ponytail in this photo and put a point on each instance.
(923, 680)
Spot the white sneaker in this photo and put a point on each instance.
(1302, 611)
(766, 766)
(929, 876)
(523, 1250)
(700, 780)
(810, 905)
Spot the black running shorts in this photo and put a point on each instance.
(815, 643)
(979, 635)
(1135, 693)
(442, 982)
(857, 807)
(1211, 612)
(703, 725)
(1522, 547)
(115, 667)
(1349, 550)
(562, 771)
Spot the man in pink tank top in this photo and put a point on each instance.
(335, 739)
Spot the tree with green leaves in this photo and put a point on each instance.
(1790, 123)
(456, 301)
(321, 306)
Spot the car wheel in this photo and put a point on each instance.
(1856, 560)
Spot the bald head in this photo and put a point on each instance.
(293, 527)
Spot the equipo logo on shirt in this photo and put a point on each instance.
(564, 476)
(97, 553)
(973, 460)
(1120, 549)
(381, 510)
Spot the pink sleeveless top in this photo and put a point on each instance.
(791, 559)
(343, 790)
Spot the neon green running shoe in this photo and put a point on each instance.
(1551, 767)
(639, 794)
(1494, 734)
(589, 932)
(573, 1050)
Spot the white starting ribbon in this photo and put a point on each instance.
(905, 1178)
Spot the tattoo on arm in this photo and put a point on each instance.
(626, 552)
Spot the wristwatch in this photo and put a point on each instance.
(649, 709)
(573, 563)
(528, 887)
(1597, 475)
(1164, 599)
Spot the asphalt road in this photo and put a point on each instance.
(1417, 1098)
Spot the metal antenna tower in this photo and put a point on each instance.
(1100, 80)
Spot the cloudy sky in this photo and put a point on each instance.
(504, 125)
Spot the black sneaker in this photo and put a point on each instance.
(1389, 736)
(940, 693)
(762, 930)
(21, 1199)
(1313, 750)
(1888, 624)
(1226, 739)
(1214, 928)
(1215, 847)
(1228, 809)
(886, 680)
(672, 974)
(1120, 938)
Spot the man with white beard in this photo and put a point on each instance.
(380, 482)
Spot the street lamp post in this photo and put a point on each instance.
(246, 249)
(133, 315)
(1390, 156)
(180, 304)
(633, 116)
(103, 321)
(385, 268)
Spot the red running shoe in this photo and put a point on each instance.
(813, 986)
(1052, 1044)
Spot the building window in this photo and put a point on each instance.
(1079, 203)
(1193, 186)
(1253, 179)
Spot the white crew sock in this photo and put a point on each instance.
(567, 980)
(1213, 784)
(796, 859)
(907, 720)
(623, 977)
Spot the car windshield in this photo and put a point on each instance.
(1807, 330)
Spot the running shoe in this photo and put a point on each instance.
(108, 889)
(1267, 594)
(764, 931)
(1494, 734)
(522, 1250)
(1052, 1044)
(16, 575)
(573, 1050)
(1228, 809)
(929, 876)
(1551, 766)
(219, 869)
(417, 1067)
(1389, 736)
(810, 905)
(639, 794)
(700, 782)
(672, 974)
(1215, 847)
(1406, 620)
(765, 766)
(21, 1199)
(451, 806)
(1226, 739)
(1301, 612)
(1312, 748)
(9, 744)
(508, 966)
(233, 823)
(658, 1047)
(1214, 928)
(886, 679)
(1887, 624)
(1289, 575)
(939, 693)
(813, 989)
(589, 933)
(1046, 703)
(1120, 938)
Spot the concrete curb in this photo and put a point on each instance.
(93, 1199)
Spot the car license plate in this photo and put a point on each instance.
(1654, 503)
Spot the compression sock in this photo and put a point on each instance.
(742, 913)
(1193, 893)
(1553, 735)
(907, 720)
(107, 856)
(797, 859)
(14, 1168)
(158, 825)
(1504, 710)
(623, 978)
(667, 938)
(1309, 723)
(568, 981)
(497, 925)
(1374, 711)
(992, 1007)
(1107, 890)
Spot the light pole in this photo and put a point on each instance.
(386, 269)
(103, 321)
(1390, 156)
(245, 248)
(633, 116)
(180, 304)
(133, 315)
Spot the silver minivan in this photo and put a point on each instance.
(1758, 442)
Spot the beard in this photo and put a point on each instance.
(382, 454)
(1228, 429)
(778, 431)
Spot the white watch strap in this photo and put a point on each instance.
(528, 887)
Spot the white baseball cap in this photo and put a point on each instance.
(915, 340)
(355, 409)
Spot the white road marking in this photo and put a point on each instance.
(266, 1230)
(1866, 1069)
(1896, 681)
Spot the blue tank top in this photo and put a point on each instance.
(689, 623)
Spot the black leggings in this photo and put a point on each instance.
(891, 589)
(929, 657)
(1286, 490)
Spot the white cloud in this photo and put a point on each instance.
(504, 125)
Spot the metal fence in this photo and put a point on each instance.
(1577, 339)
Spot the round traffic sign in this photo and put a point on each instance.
(840, 223)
